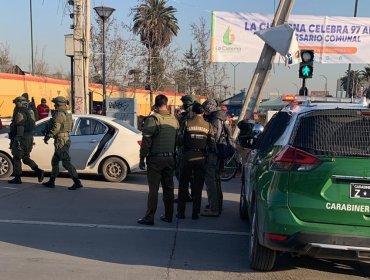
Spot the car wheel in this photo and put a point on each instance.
(6, 166)
(114, 170)
(243, 209)
(260, 257)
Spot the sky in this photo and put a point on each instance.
(50, 21)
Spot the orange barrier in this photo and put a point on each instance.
(330, 50)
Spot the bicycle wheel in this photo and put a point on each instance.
(229, 170)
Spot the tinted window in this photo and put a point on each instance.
(127, 125)
(336, 132)
(273, 130)
(88, 126)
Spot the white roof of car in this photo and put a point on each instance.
(309, 104)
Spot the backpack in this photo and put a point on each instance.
(225, 146)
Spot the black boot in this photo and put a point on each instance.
(76, 185)
(50, 183)
(40, 174)
(15, 180)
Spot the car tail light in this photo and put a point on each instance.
(139, 142)
(293, 159)
(275, 237)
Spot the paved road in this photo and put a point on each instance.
(92, 234)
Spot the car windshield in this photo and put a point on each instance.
(127, 125)
(336, 132)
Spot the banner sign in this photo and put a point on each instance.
(334, 39)
(123, 109)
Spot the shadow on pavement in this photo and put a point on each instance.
(67, 222)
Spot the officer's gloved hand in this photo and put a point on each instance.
(46, 139)
(17, 141)
(142, 164)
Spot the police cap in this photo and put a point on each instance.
(187, 100)
(59, 100)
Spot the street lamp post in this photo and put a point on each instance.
(134, 72)
(104, 13)
(349, 65)
(326, 84)
(234, 65)
(225, 88)
(296, 87)
(32, 63)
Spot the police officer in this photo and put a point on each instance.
(216, 117)
(21, 140)
(196, 136)
(187, 102)
(59, 128)
(31, 106)
(158, 147)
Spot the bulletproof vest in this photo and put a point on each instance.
(33, 111)
(29, 120)
(164, 140)
(66, 126)
(196, 133)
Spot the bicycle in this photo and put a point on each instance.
(231, 167)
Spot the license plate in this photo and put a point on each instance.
(360, 191)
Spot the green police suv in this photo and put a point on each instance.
(306, 184)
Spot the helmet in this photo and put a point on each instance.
(197, 108)
(20, 100)
(210, 105)
(60, 100)
(25, 95)
(257, 130)
(187, 100)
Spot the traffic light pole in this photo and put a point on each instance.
(262, 71)
(303, 91)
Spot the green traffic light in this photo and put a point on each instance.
(306, 71)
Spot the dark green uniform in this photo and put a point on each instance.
(21, 140)
(31, 106)
(187, 102)
(158, 147)
(196, 137)
(59, 128)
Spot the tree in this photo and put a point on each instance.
(156, 25)
(40, 66)
(201, 36)
(355, 79)
(216, 80)
(189, 76)
(5, 58)
(213, 74)
(365, 74)
(115, 48)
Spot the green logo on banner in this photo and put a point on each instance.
(229, 37)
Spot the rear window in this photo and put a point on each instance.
(127, 125)
(273, 131)
(336, 132)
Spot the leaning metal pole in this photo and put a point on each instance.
(349, 65)
(262, 72)
(104, 82)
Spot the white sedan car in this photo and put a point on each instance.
(100, 145)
